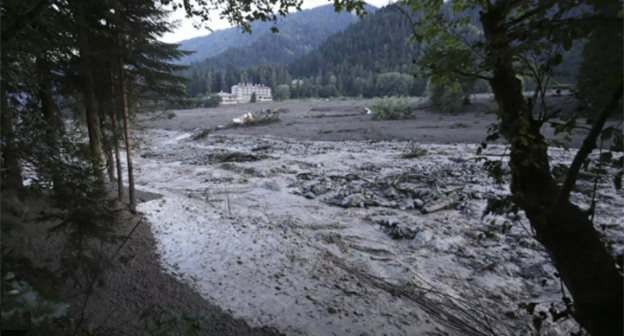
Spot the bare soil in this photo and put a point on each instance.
(347, 120)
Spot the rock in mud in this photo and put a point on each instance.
(418, 203)
(398, 230)
(321, 188)
(420, 193)
(534, 271)
(422, 239)
(236, 157)
(310, 195)
(201, 135)
(353, 201)
(391, 193)
(440, 204)
(402, 231)
(271, 185)
(477, 195)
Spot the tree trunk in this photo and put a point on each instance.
(124, 102)
(108, 152)
(51, 117)
(106, 138)
(113, 116)
(584, 264)
(102, 80)
(11, 168)
(89, 94)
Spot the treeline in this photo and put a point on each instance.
(324, 85)
(350, 63)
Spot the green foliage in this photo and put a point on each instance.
(282, 92)
(328, 91)
(393, 84)
(601, 68)
(354, 59)
(448, 96)
(378, 44)
(253, 98)
(388, 108)
(26, 309)
(213, 101)
(414, 151)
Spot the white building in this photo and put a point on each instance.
(228, 98)
(244, 91)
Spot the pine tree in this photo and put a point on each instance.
(88, 84)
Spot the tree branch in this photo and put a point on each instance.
(588, 145)
(469, 74)
(25, 20)
(526, 15)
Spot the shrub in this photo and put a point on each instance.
(390, 108)
(253, 98)
(414, 151)
(213, 101)
(448, 96)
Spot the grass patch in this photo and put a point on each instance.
(414, 151)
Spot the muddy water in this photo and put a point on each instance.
(250, 237)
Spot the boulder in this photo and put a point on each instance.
(402, 231)
(422, 239)
(271, 185)
(353, 201)
(418, 203)
(440, 204)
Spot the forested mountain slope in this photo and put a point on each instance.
(299, 33)
(348, 63)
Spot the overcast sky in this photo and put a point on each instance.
(186, 30)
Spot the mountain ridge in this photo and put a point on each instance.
(298, 34)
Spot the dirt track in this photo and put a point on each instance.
(346, 120)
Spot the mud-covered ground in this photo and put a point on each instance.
(130, 285)
(346, 120)
(349, 237)
(304, 227)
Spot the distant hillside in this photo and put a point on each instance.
(217, 41)
(348, 63)
(379, 43)
(299, 33)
